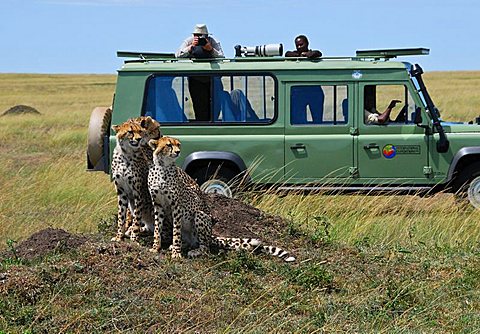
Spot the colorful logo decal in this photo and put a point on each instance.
(357, 75)
(389, 151)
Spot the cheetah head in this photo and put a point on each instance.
(151, 127)
(129, 135)
(165, 150)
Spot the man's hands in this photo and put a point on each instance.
(308, 54)
(207, 47)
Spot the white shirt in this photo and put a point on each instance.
(184, 49)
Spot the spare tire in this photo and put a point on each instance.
(98, 128)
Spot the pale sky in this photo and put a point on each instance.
(83, 36)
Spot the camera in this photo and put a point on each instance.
(202, 41)
(266, 50)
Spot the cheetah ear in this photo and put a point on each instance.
(148, 120)
(153, 143)
(115, 128)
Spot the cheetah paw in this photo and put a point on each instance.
(154, 250)
(176, 255)
(197, 253)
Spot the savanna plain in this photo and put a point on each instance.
(380, 264)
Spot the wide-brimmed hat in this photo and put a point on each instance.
(200, 29)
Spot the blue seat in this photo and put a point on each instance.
(162, 102)
(300, 98)
(345, 111)
(243, 105)
(230, 112)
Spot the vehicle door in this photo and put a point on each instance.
(318, 143)
(395, 152)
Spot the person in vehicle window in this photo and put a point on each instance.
(301, 43)
(372, 116)
(200, 45)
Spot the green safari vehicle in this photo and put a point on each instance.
(295, 123)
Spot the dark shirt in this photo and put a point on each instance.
(312, 54)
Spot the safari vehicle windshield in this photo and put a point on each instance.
(421, 89)
(416, 73)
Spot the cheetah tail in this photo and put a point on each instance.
(254, 245)
(278, 252)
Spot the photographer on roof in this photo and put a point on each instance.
(200, 45)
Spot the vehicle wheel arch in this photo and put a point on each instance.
(231, 167)
(202, 158)
(465, 157)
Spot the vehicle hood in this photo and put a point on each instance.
(460, 127)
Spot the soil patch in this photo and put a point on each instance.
(21, 109)
(45, 241)
(233, 218)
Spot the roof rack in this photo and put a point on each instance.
(144, 55)
(392, 53)
(375, 54)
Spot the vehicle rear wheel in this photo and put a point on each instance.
(217, 187)
(467, 184)
(215, 178)
(98, 128)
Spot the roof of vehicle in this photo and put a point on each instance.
(366, 59)
(258, 64)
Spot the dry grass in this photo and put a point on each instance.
(383, 264)
(43, 156)
(44, 170)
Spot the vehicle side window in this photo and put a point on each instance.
(378, 98)
(319, 105)
(211, 99)
(245, 99)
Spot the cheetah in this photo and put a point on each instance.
(151, 131)
(192, 224)
(129, 172)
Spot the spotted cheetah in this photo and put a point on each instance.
(129, 171)
(151, 131)
(192, 224)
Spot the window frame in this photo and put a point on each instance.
(216, 74)
(406, 92)
(335, 104)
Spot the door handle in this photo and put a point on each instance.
(371, 146)
(298, 147)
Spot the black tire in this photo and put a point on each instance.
(216, 178)
(98, 128)
(467, 184)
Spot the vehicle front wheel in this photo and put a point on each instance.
(467, 184)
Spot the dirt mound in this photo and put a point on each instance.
(234, 218)
(21, 109)
(46, 241)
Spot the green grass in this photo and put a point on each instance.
(383, 264)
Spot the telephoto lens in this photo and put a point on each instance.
(266, 50)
